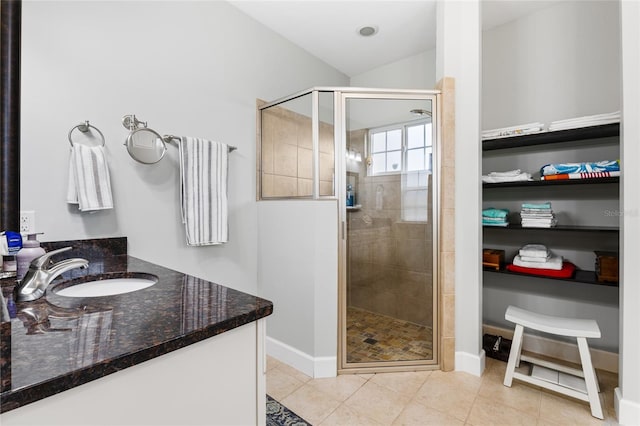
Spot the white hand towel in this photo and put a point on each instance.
(203, 191)
(89, 181)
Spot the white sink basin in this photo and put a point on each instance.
(108, 287)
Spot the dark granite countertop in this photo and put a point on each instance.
(56, 343)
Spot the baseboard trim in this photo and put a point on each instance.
(470, 363)
(628, 412)
(318, 367)
(565, 351)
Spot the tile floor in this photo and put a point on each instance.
(375, 337)
(429, 398)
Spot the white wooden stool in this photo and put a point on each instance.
(580, 384)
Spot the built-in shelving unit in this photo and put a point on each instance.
(587, 136)
(585, 277)
(558, 136)
(551, 183)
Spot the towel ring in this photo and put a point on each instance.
(85, 127)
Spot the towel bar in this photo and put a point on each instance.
(85, 127)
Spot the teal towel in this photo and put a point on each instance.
(491, 212)
(546, 205)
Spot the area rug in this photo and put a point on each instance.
(279, 415)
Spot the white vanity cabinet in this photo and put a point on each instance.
(217, 381)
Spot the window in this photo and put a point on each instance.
(405, 149)
(388, 155)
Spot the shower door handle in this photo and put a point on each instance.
(344, 230)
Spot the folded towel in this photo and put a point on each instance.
(554, 263)
(89, 181)
(537, 206)
(566, 271)
(535, 259)
(493, 212)
(569, 168)
(586, 121)
(203, 170)
(490, 223)
(521, 129)
(507, 178)
(507, 173)
(534, 250)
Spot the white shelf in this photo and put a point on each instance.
(354, 208)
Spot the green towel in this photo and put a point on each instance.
(546, 205)
(491, 212)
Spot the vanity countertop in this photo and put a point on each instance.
(56, 343)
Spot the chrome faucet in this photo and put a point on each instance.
(41, 273)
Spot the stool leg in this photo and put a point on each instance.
(590, 378)
(514, 355)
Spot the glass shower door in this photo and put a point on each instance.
(389, 300)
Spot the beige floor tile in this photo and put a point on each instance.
(366, 376)
(310, 404)
(340, 388)
(280, 384)
(297, 374)
(567, 411)
(519, 395)
(407, 383)
(346, 416)
(378, 402)
(495, 367)
(419, 415)
(452, 393)
(487, 411)
(272, 363)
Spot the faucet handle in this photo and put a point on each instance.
(41, 261)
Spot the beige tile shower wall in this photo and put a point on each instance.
(447, 224)
(389, 269)
(287, 154)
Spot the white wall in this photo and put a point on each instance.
(414, 72)
(458, 56)
(298, 271)
(627, 399)
(188, 68)
(560, 62)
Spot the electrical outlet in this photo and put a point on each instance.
(27, 221)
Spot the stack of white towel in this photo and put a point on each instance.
(586, 121)
(508, 176)
(505, 132)
(537, 256)
(537, 215)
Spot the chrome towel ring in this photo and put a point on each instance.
(84, 128)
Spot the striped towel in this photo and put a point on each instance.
(89, 182)
(203, 192)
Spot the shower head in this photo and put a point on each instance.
(421, 112)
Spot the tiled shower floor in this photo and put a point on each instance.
(373, 337)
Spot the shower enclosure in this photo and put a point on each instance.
(376, 151)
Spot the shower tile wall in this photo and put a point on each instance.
(287, 160)
(390, 267)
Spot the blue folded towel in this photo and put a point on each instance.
(492, 212)
(598, 166)
(538, 206)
